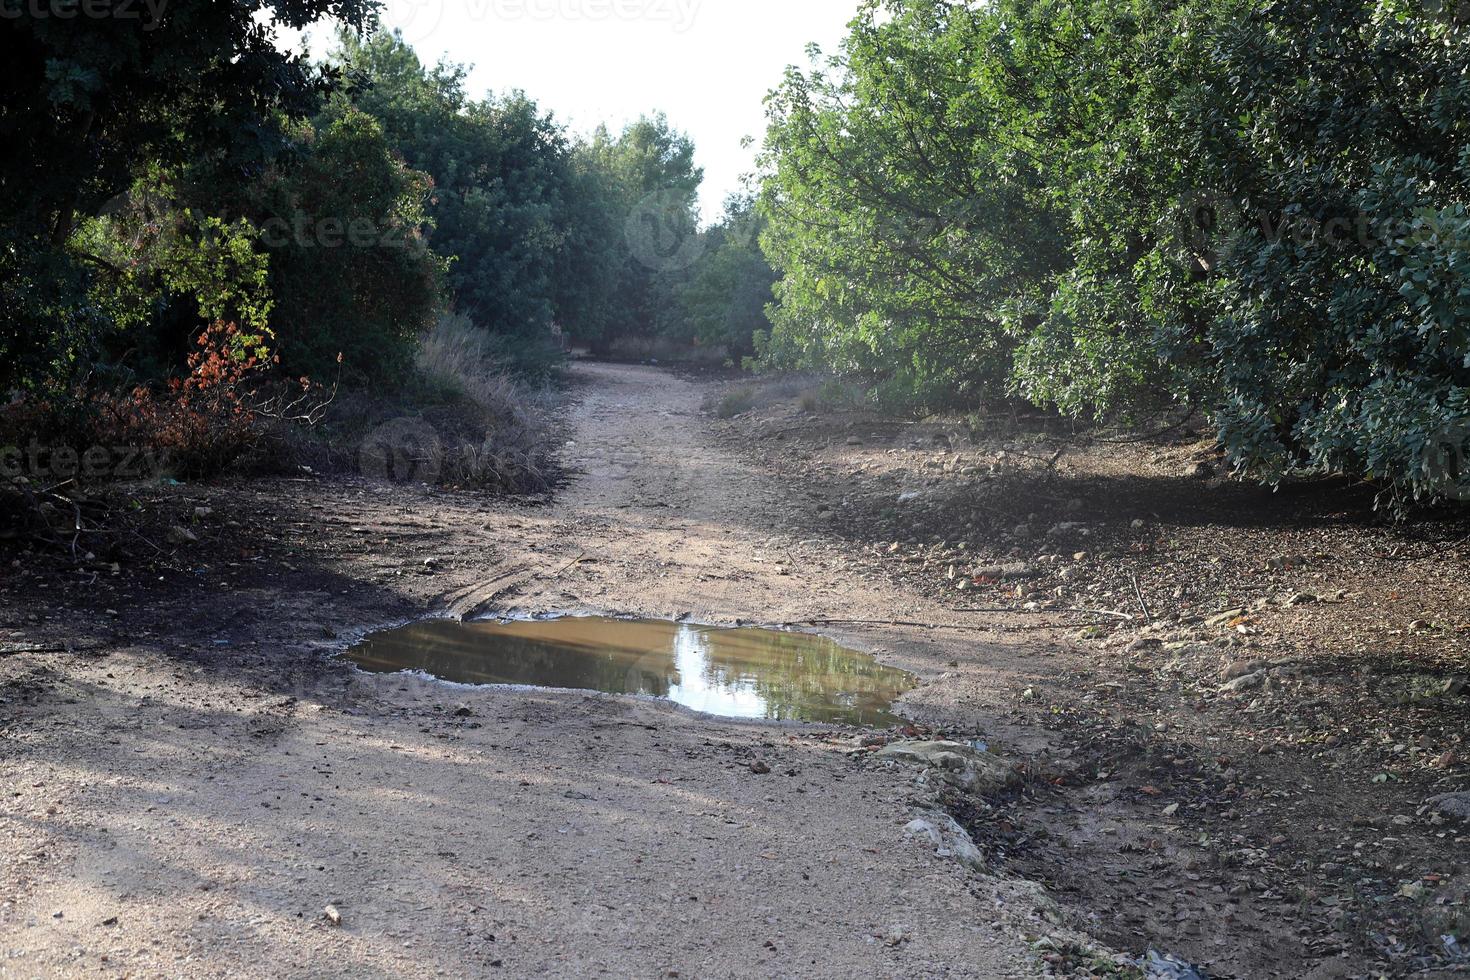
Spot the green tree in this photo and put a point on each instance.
(1256, 207)
(723, 303)
(345, 221)
(652, 187)
(507, 201)
(91, 99)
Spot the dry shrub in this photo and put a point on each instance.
(491, 430)
(735, 402)
(228, 411)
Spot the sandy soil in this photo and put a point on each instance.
(188, 776)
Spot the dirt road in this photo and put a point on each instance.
(189, 789)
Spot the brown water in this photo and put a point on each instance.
(734, 673)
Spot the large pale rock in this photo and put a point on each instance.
(948, 838)
(956, 763)
(1453, 805)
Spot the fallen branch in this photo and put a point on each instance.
(1128, 617)
(8, 651)
(1137, 591)
(569, 565)
(875, 622)
(964, 627)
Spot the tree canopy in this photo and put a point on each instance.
(1253, 207)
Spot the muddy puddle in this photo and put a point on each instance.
(733, 673)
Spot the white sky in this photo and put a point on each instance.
(708, 64)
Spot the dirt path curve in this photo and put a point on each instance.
(166, 814)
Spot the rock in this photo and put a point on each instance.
(1022, 532)
(1159, 966)
(925, 829)
(1065, 528)
(1009, 571)
(947, 837)
(1225, 618)
(1240, 668)
(331, 914)
(182, 535)
(958, 764)
(464, 711)
(1248, 682)
(1137, 524)
(1302, 599)
(854, 441)
(1423, 689)
(1199, 471)
(1453, 805)
(759, 768)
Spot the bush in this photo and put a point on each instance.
(734, 403)
(491, 437)
(345, 224)
(1252, 207)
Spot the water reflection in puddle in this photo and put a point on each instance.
(734, 673)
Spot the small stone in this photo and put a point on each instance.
(181, 535)
(1225, 618)
(331, 914)
(1009, 571)
(1453, 805)
(1248, 682)
(759, 768)
(1240, 668)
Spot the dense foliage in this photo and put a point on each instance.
(91, 99)
(196, 224)
(1254, 207)
(178, 171)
